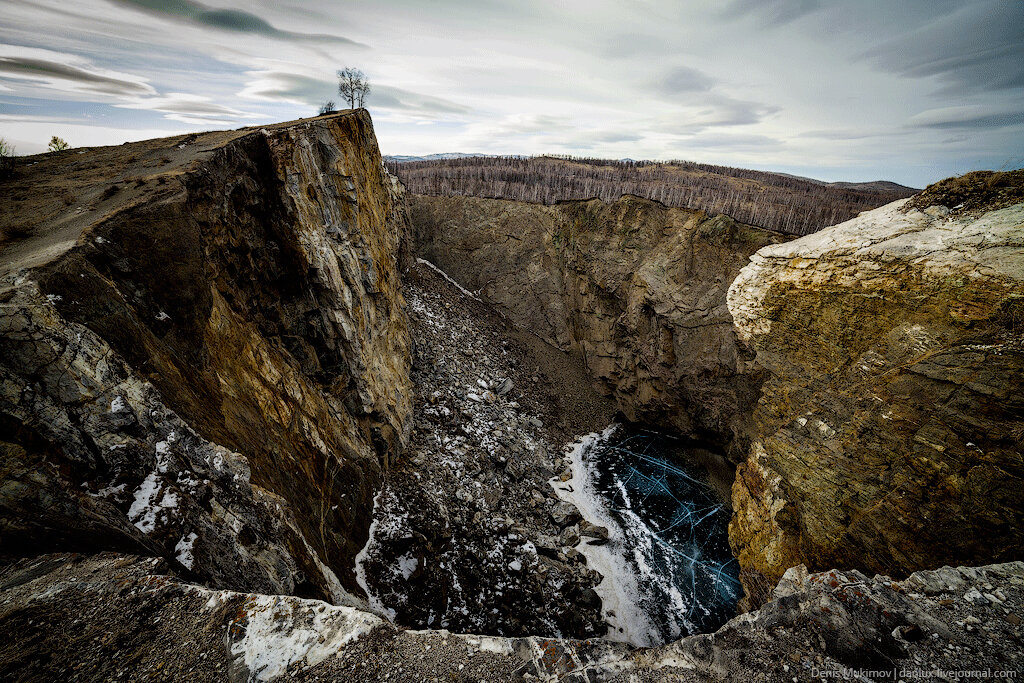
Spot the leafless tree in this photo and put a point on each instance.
(353, 86)
(6, 154)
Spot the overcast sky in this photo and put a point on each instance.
(911, 91)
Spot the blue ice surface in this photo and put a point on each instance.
(674, 530)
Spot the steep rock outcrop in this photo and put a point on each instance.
(209, 359)
(890, 434)
(637, 288)
(67, 615)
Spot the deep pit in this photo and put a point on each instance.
(210, 373)
(668, 570)
(481, 529)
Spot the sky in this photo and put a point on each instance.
(905, 90)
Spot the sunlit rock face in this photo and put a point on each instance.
(890, 431)
(637, 288)
(210, 361)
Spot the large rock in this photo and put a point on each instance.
(638, 288)
(891, 430)
(203, 351)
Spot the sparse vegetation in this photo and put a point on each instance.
(57, 144)
(353, 86)
(769, 200)
(6, 160)
(976, 191)
(326, 108)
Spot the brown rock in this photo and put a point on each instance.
(888, 436)
(227, 342)
(636, 287)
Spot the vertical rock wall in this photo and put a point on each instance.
(637, 288)
(890, 433)
(216, 369)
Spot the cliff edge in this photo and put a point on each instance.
(204, 354)
(890, 431)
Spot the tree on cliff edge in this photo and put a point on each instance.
(353, 86)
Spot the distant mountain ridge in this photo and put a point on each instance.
(405, 158)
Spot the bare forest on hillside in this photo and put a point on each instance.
(771, 200)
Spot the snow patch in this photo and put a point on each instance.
(118, 405)
(407, 564)
(145, 508)
(447, 277)
(619, 590)
(375, 603)
(274, 639)
(183, 550)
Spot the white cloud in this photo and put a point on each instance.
(66, 73)
(189, 108)
(877, 89)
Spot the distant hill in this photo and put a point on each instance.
(404, 158)
(778, 201)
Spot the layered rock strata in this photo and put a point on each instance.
(890, 433)
(636, 288)
(203, 352)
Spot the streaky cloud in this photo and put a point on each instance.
(228, 20)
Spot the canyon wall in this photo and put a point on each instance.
(636, 287)
(890, 432)
(204, 353)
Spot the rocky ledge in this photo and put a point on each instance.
(113, 617)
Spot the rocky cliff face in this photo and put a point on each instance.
(638, 289)
(890, 433)
(205, 371)
(208, 360)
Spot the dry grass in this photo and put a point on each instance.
(974, 192)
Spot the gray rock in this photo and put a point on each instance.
(563, 514)
(77, 606)
(593, 530)
(570, 536)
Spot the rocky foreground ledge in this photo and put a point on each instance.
(114, 617)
